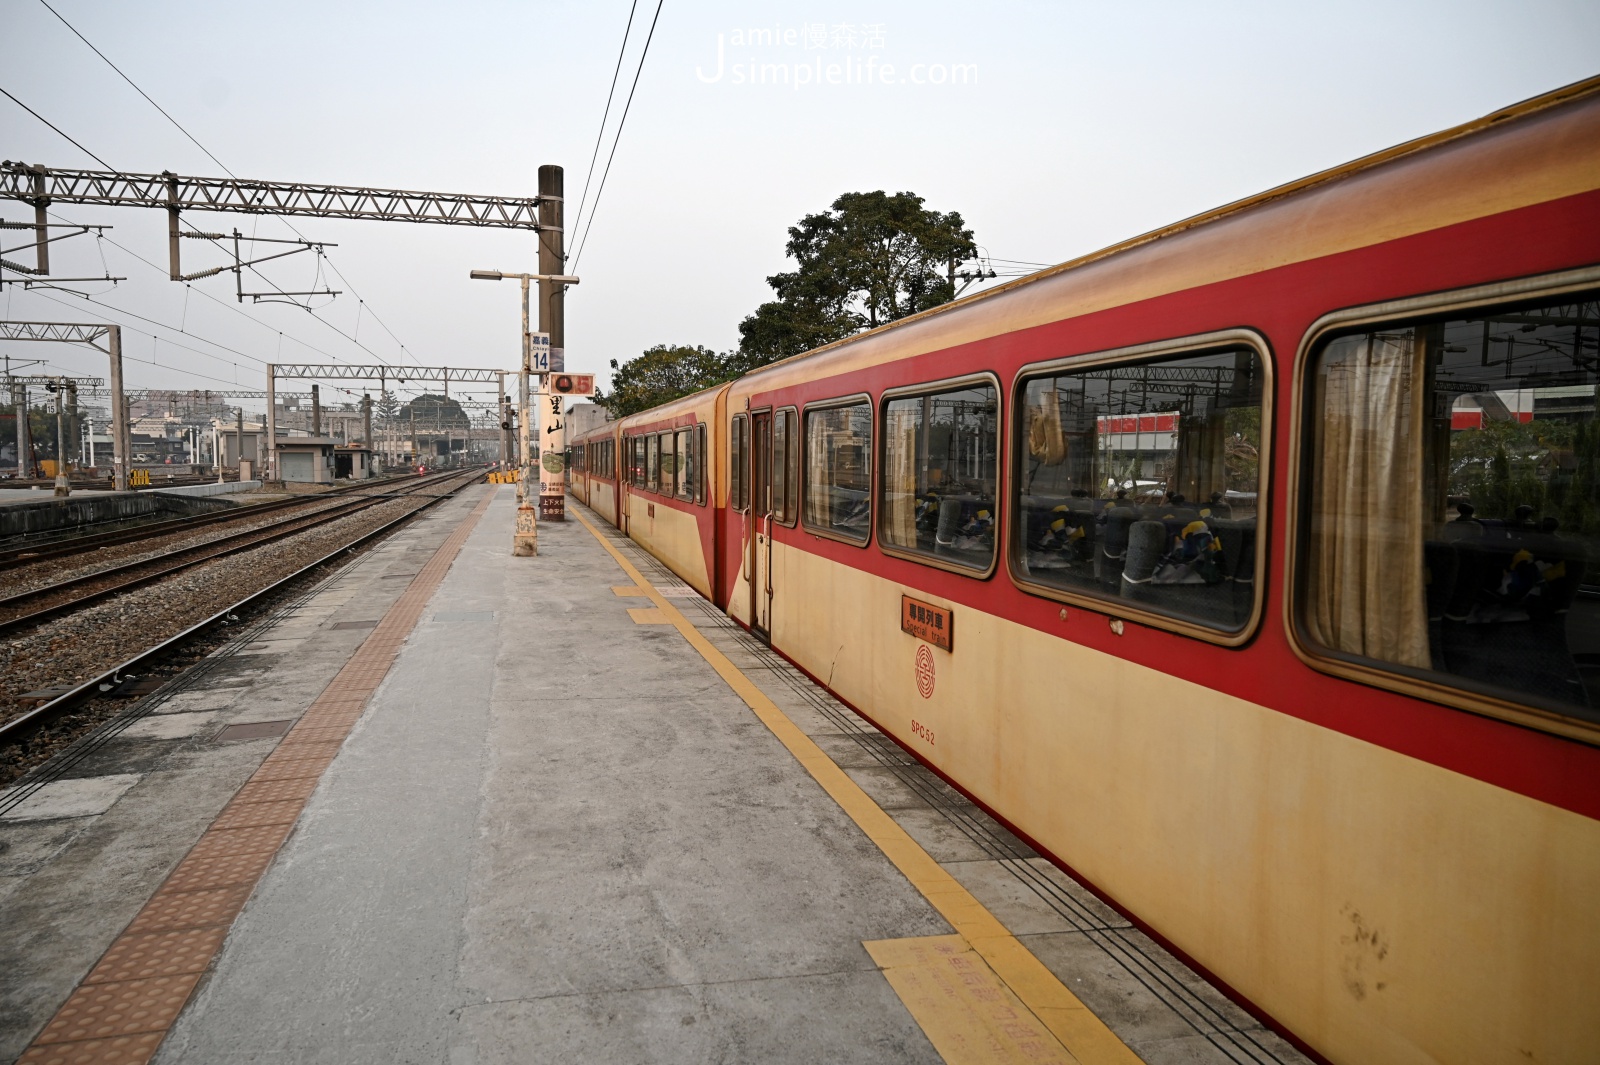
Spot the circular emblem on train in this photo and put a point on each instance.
(925, 671)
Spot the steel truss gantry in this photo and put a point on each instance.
(90, 334)
(361, 372)
(42, 186)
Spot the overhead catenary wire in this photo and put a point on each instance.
(623, 121)
(600, 135)
(182, 329)
(212, 156)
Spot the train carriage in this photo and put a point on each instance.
(666, 490)
(1250, 569)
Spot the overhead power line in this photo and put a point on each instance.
(55, 127)
(600, 135)
(212, 156)
(616, 140)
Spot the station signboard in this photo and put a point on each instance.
(572, 384)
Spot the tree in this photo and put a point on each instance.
(871, 258)
(663, 373)
(387, 406)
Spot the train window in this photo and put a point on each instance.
(940, 461)
(700, 462)
(652, 462)
(669, 464)
(1138, 481)
(683, 483)
(1451, 502)
(638, 461)
(839, 470)
(785, 468)
(739, 463)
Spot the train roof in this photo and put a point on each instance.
(1534, 151)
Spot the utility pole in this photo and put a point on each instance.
(238, 451)
(505, 425)
(63, 486)
(269, 466)
(552, 322)
(121, 436)
(366, 422)
(19, 401)
(316, 411)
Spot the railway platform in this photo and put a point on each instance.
(460, 807)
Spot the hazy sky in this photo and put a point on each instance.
(1059, 128)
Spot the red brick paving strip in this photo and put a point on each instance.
(123, 1009)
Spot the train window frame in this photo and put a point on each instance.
(739, 463)
(791, 472)
(683, 449)
(1002, 426)
(1197, 344)
(701, 452)
(1396, 677)
(652, 462)
(872, 472)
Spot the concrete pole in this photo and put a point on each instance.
(238, 451)
(19, 403)
(316, 410)
(121, 438)
(269, 472)
(525, 540)
(552, 320)
(366, 421)
(505, 433)
(63, 486)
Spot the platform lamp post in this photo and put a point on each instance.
(526, 540)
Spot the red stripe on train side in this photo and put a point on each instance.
(1281, 303)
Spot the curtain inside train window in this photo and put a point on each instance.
(683, 479)
(1452, 505)
(652, 462)
(738, 462)
(785, 467)
(1138, 481)
(701, 457)
(940, 459)
(839, 470)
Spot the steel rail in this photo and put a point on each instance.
(12, 730)
(57, 547)
(245, 540)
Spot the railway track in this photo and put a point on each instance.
(17, 554)
(22, 609)
(143, 617)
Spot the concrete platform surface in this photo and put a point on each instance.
(584, 817)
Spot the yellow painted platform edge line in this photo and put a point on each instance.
(1084, 1034)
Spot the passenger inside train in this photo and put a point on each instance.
(1454, 500)
(1138, 481)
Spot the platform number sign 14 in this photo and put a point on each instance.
(539, 352)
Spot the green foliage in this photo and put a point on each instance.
(871, 258)
(662, 374)
(386, 406)
(435, 412)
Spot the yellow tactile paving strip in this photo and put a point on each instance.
(1082, 1036)
(125, 1006)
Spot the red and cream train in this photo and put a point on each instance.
(1264, 552)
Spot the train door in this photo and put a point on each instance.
(624, 482)
(760, 539)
